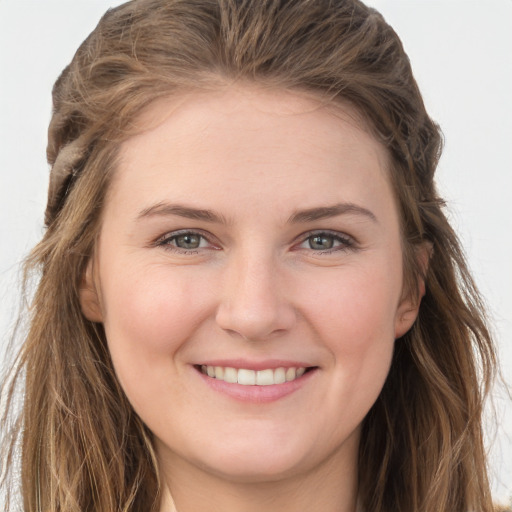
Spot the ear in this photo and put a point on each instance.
(409, 306)
(89, 296)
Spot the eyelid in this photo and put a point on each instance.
(163, 240)
(347, 242)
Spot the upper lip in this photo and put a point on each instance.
(255, 365)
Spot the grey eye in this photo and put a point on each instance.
(188, 241)
(321, 242)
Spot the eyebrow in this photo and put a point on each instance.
(299, 216)
(165, 209)
(325, 212)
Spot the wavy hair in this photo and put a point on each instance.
(81, 445)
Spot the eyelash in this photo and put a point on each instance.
(345, 242)
(166, 240)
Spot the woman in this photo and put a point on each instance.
(250, 296)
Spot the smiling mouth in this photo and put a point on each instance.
(245, 377)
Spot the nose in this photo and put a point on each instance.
(253, 301)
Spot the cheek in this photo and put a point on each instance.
(149, 314)
(354, 318)
(353, 311)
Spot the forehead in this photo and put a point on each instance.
(249, 140)
(240, 101)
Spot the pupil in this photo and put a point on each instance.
(188, 241)
(321, 242)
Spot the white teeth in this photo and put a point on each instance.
(218, 372)
(246, 377)
(252, 377)
(291, 373)
(230, 375)
(264, 377)
(279, 375)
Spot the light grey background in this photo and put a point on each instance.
(461, 51)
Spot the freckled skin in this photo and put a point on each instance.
(254, 288)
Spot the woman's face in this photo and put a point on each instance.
(249, 278)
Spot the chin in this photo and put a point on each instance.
(263, 460)
(258, 470)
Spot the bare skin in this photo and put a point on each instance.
(255, 232)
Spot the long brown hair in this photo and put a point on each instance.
(82, 446)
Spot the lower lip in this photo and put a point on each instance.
(256, 394)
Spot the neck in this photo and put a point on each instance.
(330, 488)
